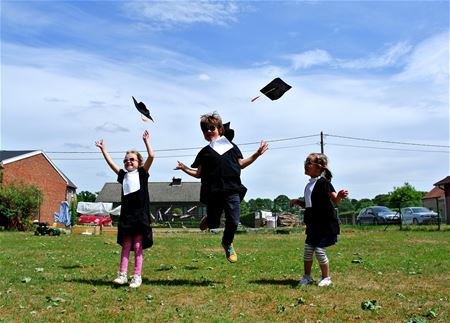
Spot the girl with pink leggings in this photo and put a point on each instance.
(129, 243)
(134, 230)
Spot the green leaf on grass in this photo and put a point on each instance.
(417, 319)
(370, 305)
(431, 314)
(281, 309)
(301, 300)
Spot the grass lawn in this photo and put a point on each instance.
(186, 278)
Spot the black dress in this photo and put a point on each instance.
(322, 224)
(134, 216)
(220, 174)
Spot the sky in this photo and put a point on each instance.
(371, 76)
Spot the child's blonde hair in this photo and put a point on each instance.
(138, 155)
(322, 160)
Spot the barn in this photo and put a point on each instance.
(165, 197)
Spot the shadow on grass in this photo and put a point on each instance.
(71, 267)
(162, 282)
(288, 282)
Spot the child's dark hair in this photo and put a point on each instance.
(211, 119)
(322, 160)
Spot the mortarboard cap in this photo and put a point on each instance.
(142, 109)
(274, 90)
(227, 132)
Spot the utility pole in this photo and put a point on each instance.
(321, 142)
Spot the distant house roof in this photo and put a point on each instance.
(436, 192)
(10, 156)
(443, 181)
(159, 192)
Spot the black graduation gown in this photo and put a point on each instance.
(134, 216)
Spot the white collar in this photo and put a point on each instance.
(314, 179)
(221, 145)
(131, 182)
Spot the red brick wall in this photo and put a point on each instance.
(37, 170)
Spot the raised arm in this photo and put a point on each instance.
(337, 197)
(100, 144)
(151, 155)
(194, 172)
(261, 150)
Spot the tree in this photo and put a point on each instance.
(85, 196)
(259, 204)
(346, 205)
(405, 195)
(19, 203)
(382, 199)
(361, 204)
(281, 204)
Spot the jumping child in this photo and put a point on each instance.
(322, 225)
(219, 166)
(134, 230)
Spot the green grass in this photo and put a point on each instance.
(186, 278)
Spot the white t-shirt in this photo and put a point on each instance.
(308, 191)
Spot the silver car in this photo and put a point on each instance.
(418, 215)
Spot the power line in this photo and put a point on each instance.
(387, 141)
(390, 148)
(178, 149)
(273, 148)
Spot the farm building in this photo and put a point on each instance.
(165, 197)
(438, 199)
(33, 167)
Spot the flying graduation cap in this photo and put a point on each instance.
(274, 90)
(143, 110)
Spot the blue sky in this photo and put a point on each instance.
(372, 75)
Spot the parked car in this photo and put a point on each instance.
(418, 215)
(377, 215)
(100, 220)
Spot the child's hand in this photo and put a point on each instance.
(262, 148)
(100, 144)
(342, 194)
(180, 166)
(146, 136)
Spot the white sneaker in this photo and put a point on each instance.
(306, 280)
(121, 279)
(325, 282)
(136, 281)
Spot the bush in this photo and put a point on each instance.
(248, 220)
(18, 204)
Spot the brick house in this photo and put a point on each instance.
(164, 198)
(438, 199)
(33, 167)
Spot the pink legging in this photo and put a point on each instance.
(138, 255)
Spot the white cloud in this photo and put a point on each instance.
(169, 13)
(310, 58)
(204, 77)
(429, 61)
(111, 127)
(392, 56)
